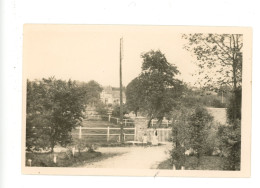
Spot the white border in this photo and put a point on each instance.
(199, 12)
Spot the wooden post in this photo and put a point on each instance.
(116, 120)
(107, 134)
(121, 92)
(135, 135)
(54, 159)
(109, 116)
(174, 167)
(167, 123)
(30, 162)
(125, 122)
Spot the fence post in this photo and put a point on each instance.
(116, 120)
(109, 116)
(135, 135)
(107, 134)
(125, 122)
(152, 122)
(80, 132)
(167, 123)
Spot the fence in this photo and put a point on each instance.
(116, 121)
(94, 117)
(105, 132)
(165, 123)
(164, 135)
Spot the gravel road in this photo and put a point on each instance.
(132, 157)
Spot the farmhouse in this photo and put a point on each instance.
(111, 95)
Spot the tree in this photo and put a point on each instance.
(199, 125)
(180, 135)
(155, 89)
(219, 56)
(230, 145)
(92, 92)
(54, 108)
(133, 100)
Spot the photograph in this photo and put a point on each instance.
(133, 100)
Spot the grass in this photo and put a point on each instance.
(207, 163)
(62, 159)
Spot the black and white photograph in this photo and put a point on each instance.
(136, 100)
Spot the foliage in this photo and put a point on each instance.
(92, 92)
(234, 106)
(180, 135)
(101, 108)
(116, 110)
(195, 97)
(207, 163)
(219, 53)
(133, 100)
(230, 145)
(199, 126)
(220, 56)
(54, 108)
(63, 159)
(155, 90)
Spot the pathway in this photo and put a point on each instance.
(132, 157)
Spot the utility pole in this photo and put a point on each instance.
(121, 94)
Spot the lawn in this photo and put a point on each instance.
(207, 163)
(64, 160)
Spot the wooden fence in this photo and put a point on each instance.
(107, 133)
(165, 123)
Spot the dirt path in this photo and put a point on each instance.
(132, 157)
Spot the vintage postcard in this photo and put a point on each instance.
(125, 100)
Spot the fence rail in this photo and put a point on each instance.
(108, 134)
(164, 122)
(114, 120)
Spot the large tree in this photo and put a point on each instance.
(54, 108)
(156, 89)
(219, 57)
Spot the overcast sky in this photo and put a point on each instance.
(87, 53)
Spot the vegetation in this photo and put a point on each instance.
(207, 163)
(54, 108)
(156, 89)
(63, 159)
(190, 130)
(230, 145)
(220, 56)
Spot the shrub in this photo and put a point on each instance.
(230, 145)
(199, 129)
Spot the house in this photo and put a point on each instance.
(111, 95)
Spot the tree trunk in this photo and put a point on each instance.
(149, 122)
(234, 88)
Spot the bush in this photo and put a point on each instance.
(230, 145)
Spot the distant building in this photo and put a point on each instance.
(111, 95)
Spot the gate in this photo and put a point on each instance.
(164, 134)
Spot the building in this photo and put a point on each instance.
(111, 95)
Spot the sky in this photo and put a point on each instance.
(91, 52)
